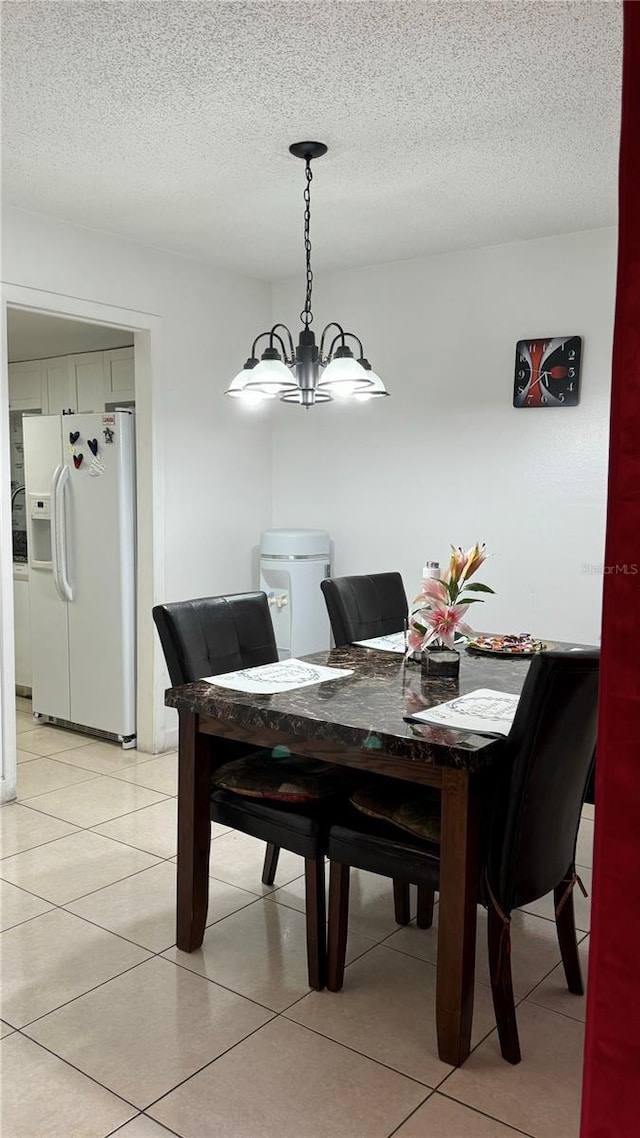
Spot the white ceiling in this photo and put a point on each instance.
(450, 124)
(35, 336)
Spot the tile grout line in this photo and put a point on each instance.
(411, 1114)
(193, 1074)
(141, 1114)
(115, 818)
(484, 1114)
(354, 1050)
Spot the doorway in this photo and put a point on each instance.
(81, 342)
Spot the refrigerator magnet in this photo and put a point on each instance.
(93, 446)
(77, 460)
(74, 436)
(97, 468)
(108, 435)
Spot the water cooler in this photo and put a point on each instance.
(293, 562)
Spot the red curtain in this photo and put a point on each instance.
(610, 1105)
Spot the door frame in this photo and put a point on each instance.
(147, 328)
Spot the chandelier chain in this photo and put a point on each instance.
(306, 315)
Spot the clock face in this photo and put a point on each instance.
(547, 372)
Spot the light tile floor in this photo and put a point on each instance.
(107, 1028)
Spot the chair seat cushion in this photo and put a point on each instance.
(413, 809)
(301, 829)
(287, 778)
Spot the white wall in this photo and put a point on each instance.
(448, 458)
(216, 457)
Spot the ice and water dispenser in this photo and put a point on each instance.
(39, 506)
(293, 562)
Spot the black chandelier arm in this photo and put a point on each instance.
(345, 335)
(273, 335)
(341, 331)
(255, 342)
(358, 341)
(290, 339)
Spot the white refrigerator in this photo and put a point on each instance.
(80, 495)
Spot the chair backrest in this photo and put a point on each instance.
(363, 607)
(211, 635)
(543, 777)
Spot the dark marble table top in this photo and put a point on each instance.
(367, 709)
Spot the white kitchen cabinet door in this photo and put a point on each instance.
(22, 631)
(61, 392)
(27, 386)
(87, 372)
(119, 382)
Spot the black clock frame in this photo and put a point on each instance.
(537, 359)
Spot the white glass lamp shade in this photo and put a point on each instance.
(376, 391)
(238, 387)
(344, 377)
(270, 378)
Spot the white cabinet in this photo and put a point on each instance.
(22, 627)
(89, 381)
(119, 382)
(60, 391)
(28, 386)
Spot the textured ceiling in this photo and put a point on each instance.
(449, 124)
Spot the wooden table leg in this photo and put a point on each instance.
(457, 916)
(194, 832)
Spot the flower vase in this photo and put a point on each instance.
(441, 663)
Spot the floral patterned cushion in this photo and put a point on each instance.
(282, 778)
(414, 809)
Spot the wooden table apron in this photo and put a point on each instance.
(403, 757)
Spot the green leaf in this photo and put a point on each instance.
(477, 587)
(419, 627)
(470, 601)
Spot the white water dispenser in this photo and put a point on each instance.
(293, 562)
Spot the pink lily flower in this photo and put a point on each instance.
(443, 621)
(473, 560)
(415, 639)
(433, 590)
(456, 565)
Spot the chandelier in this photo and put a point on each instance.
(309, 373)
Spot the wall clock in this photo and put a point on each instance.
(547, 372)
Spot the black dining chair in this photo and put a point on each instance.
(360, 608)
(280, 799)
(365, 606)
(530, 834)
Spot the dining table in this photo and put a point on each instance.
(359, 721)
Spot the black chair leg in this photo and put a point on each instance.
(272, 853)
(566, 929)
(402, 902)
(499, 939)
(338, 922)
(425, 907)
(316, 922)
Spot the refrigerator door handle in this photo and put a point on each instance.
(62, 532)
(59, 537)
(55, 561)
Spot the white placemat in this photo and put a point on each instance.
(484, 711)
(393, 642)
(267, 679)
